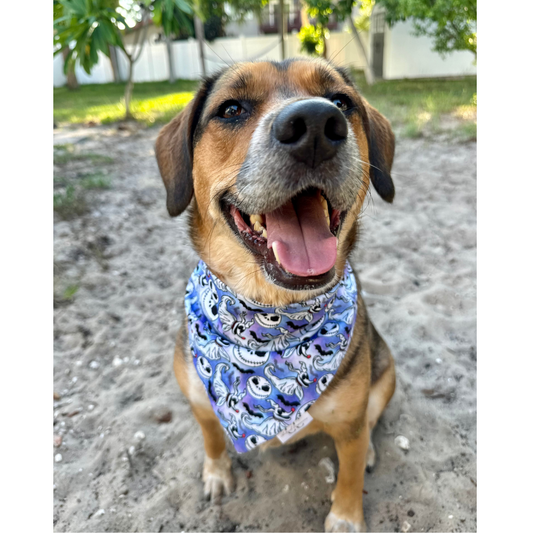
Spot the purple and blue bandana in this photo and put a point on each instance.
(263, 366)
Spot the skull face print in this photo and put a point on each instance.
(258, 387)
(268, 320)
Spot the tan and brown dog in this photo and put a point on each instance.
(263, 138)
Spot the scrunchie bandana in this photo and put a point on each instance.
(263, 366)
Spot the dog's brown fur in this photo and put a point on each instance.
(198, 160)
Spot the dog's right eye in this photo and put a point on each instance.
(230, 110)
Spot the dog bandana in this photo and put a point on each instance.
(262, 366)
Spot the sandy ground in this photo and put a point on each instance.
(113, 359)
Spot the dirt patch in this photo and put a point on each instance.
(128, 454)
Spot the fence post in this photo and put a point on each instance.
(281, 26)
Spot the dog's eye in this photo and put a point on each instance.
(342, 102)
(231, 109)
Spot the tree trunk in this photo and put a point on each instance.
(369, 75)
(114, 63)
(171, 74)
(325, 51)
(135, 54)
(199, 30)
(129, 90)
(72, 82)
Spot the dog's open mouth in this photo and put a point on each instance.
(297, 241)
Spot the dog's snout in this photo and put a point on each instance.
(310, 130)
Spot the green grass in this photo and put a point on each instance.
(153, 102)
(65, 153)
(70, 192)
(69, 203)
(98, 180)
(414, 107)
(70, 291)
(418, 107)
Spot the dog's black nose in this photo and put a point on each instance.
(311, 130)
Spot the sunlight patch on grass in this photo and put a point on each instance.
(162, 108)
(466, 112)
(152, 102)
(419, 106)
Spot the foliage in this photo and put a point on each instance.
(240, 8)
(311, 40)
(86, 27)
(451, 24)
(173, 16)
(362, 22)
(214, 17)
(320, 10)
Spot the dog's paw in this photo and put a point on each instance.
(217, 477)
(370, 456)
(335, 523)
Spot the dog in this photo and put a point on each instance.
(251, 157)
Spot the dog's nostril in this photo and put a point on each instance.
(335, 130)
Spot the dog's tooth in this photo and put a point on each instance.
(274, 246)
(256, 218)
(326, 212)
(264, 234)
(324, 202)
(258, 227)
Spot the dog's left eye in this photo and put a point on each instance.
(230, 110)
(342, 102)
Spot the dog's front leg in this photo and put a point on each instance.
(351, 442)
(217, 476)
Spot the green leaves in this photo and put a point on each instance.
(311, 40)
(452, 24)
(173, 16)
(86, 27)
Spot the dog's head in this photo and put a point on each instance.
(275, 160)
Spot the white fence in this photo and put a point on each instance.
(405, 56)
(153, 63)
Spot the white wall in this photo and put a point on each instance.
(407, 56)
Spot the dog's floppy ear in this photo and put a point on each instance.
(174, 152)
(380, 151)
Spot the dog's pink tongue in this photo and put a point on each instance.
(300, 234)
